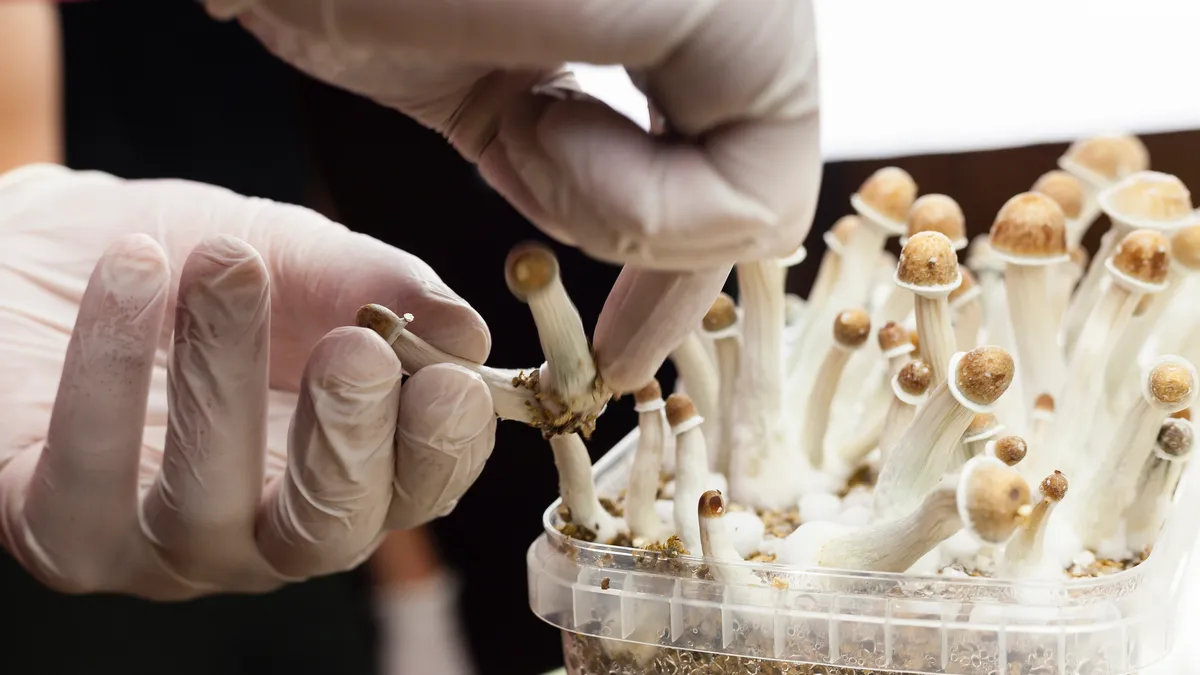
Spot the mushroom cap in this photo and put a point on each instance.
(1171, 382)
(938, 213)
(1143, 255)
(1031, 226)
(1109, 157)
(1149, 196)
(1063, 188)
(721, 315)
(915, 339)
(1010, 449)
(994, 496)
(914, 378)
(928, 260)
(844, 227)
(1044, 402)
(712, 504)
(983, 374)
(1054, 487)
(377, 318)
(1185, 247)
(890, 191)
(968, 283)
(891, 336)
(1175, 437)
(1185, 414)
(679, 409)
(652, 391)
(529, 268)
(980, 423)
(851, 328)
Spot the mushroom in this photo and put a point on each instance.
(929, 268)
(645, 526)
(978, 378)
(692, 477)
(720, 324)
(910, 390)
(1023, 555)
(850, 330)
(966, 309)
(578, 489)
(894, 344)
(1029, 233)
(1157, 483)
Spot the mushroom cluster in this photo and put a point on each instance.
(942, 446)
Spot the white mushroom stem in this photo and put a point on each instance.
(578, 491)
(902, 410)
(761, 452)
(1038, 356)
(532, 274)
(1109, 488)
(998, 330)
(1157, 483)
(819, 405)
(645, 525)
(878, 411)
(728, 365)
(1024, 553)
(1041, 422)
(717, 543)
(698, 376)
(692, 478)
(967, 310)
(1122, 363)
(512, 401)
(1090, 287)
(916, 464)
(1084, 387)
(1064, 278)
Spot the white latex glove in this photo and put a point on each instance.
(736, 80)
(190, 327)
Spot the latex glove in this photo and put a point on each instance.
(737, 80)
(162, 464)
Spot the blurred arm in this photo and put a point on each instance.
(30, 77)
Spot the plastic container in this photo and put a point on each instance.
(621, 612)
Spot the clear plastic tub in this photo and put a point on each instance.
(624, 611)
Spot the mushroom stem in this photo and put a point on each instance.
(1122, 367)
(1157, 483)
(720, 324)
(1034, 331)
(986, 498)
(698, 378)
(717, 544)
(645, 525)
(979, 434)
(850, 331)
(1109, 488)
(514, 393)
(1023, 555)
(937, 335)
(926, 449)
(896, 349)
(967, 311)
(909, 392)
(578, 490)
(692, 477)
(532, 274)
(1088, 291)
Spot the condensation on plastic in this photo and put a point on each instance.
(1110, 625)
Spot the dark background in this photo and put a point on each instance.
(156, 89)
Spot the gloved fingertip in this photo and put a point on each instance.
(134, 266)
(452, 326)
(448, 404)
(352, 358)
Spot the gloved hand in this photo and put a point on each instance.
(162, 464)
(736, 81)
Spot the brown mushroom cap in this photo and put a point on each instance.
(914, 378)
(529, 268)
(721, 315)
(1143, 255)
(1030, 225)
(968, 282)
(1106, 156)
(1185, 414)
(1185, 247)
(1153, 196)
(995, 495)
(679, 409)
(1134, 155)
(1010, 450)
(984, 374)
(851, 328)
(1175, 437)
(937, 213)
(890, 191)
(1044, 403)
(891, 336)
(1063, 188)
(928, 259)
(844, 227)
(651, 392)
(1170, 383)
(1054, 487)
(980, 423)
(712, 504)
